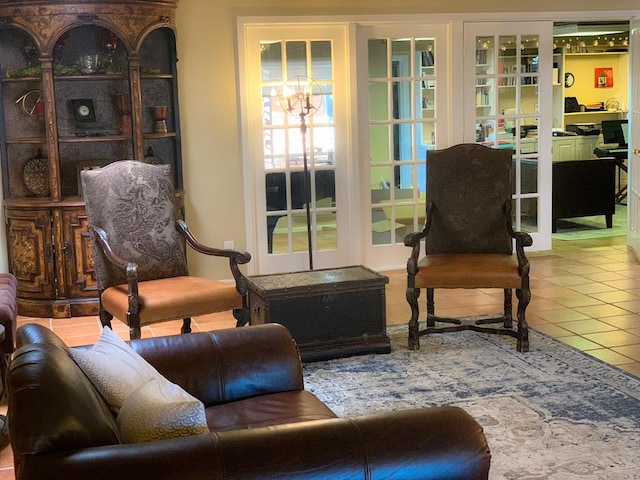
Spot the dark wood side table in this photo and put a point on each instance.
(331, 313)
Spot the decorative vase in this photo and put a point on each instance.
(123, 109)
(160, 114)
(89, 63)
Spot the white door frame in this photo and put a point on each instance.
(251, 113)
(394, 255)
(633, 179)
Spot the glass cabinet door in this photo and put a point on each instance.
(90, 79)
(22, 132)
(159, 110)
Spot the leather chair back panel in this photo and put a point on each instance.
(74, 415)
(468, 188)
(38, 334)
(235, 374)
(134, 203)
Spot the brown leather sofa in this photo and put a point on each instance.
(263, 424)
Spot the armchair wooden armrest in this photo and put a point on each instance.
(131, 268)
(103, 240)
(523, 239)
(413, 240)
(236, 257)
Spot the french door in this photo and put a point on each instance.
(403, 85)
(508, 104)
(295, 81)
(633, 197)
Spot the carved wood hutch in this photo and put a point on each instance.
(83, 84)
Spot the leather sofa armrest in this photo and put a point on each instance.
(428, 443)
(225, 365)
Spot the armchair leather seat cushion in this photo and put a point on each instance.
(172, 298)
(468, 271)
(273, 409)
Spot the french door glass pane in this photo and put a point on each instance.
(299, 144)
(402, 104)
(507, 93)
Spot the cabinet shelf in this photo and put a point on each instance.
(90, 78)
(596, 112)
(94, 138)
(158, 76)
(21, 80)
(151, 136)
(25, 140)
(583, 54)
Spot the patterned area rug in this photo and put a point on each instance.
(552, 413)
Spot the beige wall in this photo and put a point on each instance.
(209, 102)
(584, 88)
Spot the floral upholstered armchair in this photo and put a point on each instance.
(140, 261)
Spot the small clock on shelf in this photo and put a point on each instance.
(569, 79)
(83, 111)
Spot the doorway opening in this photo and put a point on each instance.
(590, 129)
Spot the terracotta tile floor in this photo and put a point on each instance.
(585, 293)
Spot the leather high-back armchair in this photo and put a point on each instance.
(469, 240)
(140, 261)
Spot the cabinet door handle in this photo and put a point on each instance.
(48, 251)
(636, 151)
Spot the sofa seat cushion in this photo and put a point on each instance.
(267, 410)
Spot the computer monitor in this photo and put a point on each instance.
(615, 131)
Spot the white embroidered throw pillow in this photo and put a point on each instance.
(114, 368)
(160, 410)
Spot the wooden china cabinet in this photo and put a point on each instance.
(83, 84)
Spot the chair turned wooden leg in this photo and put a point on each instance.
(508, 308)
(412, 295)
(105, 318)
(135, 333)
(186, 325)
(242, 316)
(524, 297)
(431, 308)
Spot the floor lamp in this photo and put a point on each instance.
(301, 97)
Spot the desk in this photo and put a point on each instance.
(583, 188)
(331, 313)
(620, 154)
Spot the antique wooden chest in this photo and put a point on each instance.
(330, 313)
